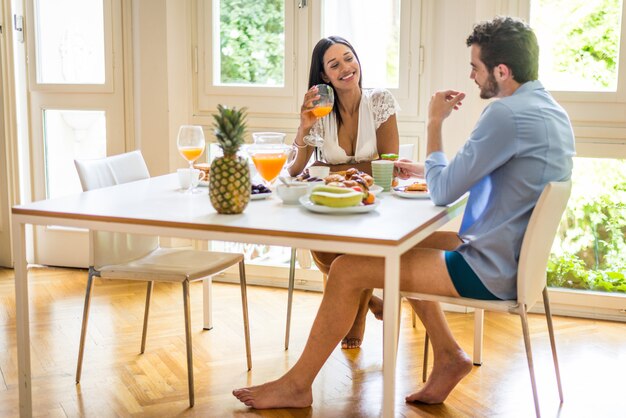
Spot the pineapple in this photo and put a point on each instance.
(229, 184)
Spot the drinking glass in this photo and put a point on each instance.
(322, 107)
(269, 160)
(191, 145)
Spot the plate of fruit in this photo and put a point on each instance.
(259, 192)
(338, 200)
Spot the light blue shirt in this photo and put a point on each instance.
(520, 143)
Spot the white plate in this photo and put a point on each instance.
(306, 202)
(399, 191)
(260, 196)
(375, 189)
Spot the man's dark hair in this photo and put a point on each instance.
(317, 66)
(508, 41)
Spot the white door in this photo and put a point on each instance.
(5, 238)
(75, 86)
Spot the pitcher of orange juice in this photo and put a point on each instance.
(270, 154)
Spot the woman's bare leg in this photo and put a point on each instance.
(423, 270)
(354, 337)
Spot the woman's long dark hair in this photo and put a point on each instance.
(317, 66)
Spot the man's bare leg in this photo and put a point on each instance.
(451, 363)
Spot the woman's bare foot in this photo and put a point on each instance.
(447, 372)
(279, 393)
(376, 307)
(354, 337)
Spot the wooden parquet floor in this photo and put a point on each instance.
(119, 382)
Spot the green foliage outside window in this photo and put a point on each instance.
(252, 42)
(590, 248)
(579, 41)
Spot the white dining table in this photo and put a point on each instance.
(155, 206)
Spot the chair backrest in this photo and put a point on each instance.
(406, 151)
(538, 239)
(108, 248)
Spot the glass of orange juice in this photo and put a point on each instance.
(191, 145)
(322, 107)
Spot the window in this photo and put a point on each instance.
(257, 54)
(580, 50)
(373, 28)
(590, 248)
(249, 50)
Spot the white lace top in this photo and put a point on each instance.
(377, 105)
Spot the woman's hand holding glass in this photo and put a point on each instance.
(318, 102)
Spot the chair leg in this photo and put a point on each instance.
(324, 280)
(529, 356)
(479, 316)
(546, 304)
(292, 278)
(83, 330)
(207, 303)
(425, 366)
(188, 342)
(146, 311)
(244, 305)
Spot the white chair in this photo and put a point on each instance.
(138, 257)
(531, 275)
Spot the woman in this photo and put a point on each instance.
(361, 127)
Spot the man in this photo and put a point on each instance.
(520, 143)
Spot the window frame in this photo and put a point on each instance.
(109, 58)
(207, 95)
(303, 28)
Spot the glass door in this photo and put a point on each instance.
(76, 106)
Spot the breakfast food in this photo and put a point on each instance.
(205, 168)
(392, 157)
(352, 178)
(305, 176)
(416, 187)
(335, 197)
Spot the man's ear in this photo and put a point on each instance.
(502, 72)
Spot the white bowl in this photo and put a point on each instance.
(319, 171)
(291, 194)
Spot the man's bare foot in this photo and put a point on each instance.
(447, 372)
(279, 393)
(376, 307)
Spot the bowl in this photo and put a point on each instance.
(319, 171)
(290, 194)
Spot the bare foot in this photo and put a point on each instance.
(447, 372)
(279, 393)
(376, 307)
(354, 337)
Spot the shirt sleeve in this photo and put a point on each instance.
(491, 144)
(383, 106)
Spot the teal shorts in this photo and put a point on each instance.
(465, 281)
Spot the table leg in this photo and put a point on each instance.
(22, 319)
(391, 327)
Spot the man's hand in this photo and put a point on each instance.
(440, 107)
(442, 103)
(404, 169)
